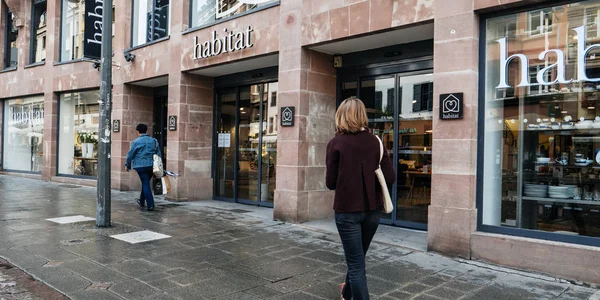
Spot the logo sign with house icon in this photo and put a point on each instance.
(287, 116)
(451, 106)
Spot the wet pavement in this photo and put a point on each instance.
(223, 251)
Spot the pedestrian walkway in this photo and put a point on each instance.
(207, 250)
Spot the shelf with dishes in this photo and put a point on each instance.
(563, 201)
(566, 125)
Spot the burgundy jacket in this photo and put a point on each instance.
(351, 163)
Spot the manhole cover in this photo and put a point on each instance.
(237, 210)
(69, 186)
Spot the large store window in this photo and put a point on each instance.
(38, 27)
(23, 133)
(151, 20)
(246, 153)
(208, 11)
(11, 53)
(541, 154)
(78, 134)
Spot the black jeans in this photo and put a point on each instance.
(146, 174)
(356, 231)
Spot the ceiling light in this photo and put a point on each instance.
(525, 120)
(414, 101)
(591, 107)
(563, 112)
(242, 108)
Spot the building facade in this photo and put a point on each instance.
(488, 109)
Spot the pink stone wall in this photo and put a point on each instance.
(323, 21)
(265, 38)
(576, 262)
(452, 213)
(307, 80)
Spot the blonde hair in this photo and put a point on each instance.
(351, 116)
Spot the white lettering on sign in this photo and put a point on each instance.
(229, 43)
(98, 10)
(582, 53)
(30, 116)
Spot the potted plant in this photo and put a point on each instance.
(87, 140)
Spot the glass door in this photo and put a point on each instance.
(399, 108)
(246, 152)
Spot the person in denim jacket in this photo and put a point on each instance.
(141, 154)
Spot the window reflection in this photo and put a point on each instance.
(208, 11)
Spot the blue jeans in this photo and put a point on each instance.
(146, 174)
(356, 231)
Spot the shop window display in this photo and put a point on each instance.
(541, 154)
(23, 134)
(78, 134)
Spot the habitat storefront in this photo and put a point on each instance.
(539, 147)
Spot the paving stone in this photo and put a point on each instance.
(325, 256)
(138, 267)
(445, 293)
(435, 280)
(133, 289)
(462, 285)
(263, 292)
(164, 284)
(94, 272)
(200, 275)
(298, 296)
(286, 268)
(94, 295)
(401, 295)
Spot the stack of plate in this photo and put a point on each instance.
(561, 192)
(536, 190)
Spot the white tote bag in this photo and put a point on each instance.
(157, 166)
(388, 207)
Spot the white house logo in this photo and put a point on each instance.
(287, 116)
(224, 10)
(451, 107)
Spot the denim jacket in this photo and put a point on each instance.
(141, 153)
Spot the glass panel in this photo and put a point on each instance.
(23, 134)
(250, 120)
(208, 11)
(541, 151)
(269, 146)
(78, 134)
(414, 148)
(349, 89)
(72, 20)
(378, 96)
(226, 137)
(39, 28)
(11, 53)
(151, 20)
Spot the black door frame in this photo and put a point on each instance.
(160, 106)
(239, 81)
(397, 70)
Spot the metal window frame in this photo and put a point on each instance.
(238, 81)
(33, 37)
(3, 101)
(223, 20)
(58, 109)
(153, 41)
(518, 232)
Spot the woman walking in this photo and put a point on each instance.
(352, 158)
(141, 153)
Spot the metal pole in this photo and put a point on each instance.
(103, 204)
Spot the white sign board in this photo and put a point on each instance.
(224, 140)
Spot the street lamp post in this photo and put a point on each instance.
(103, 204)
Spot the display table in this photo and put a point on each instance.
(90, 166)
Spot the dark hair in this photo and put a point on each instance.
(141, 128)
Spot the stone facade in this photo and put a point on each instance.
(307, 80)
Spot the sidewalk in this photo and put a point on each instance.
(220, 250)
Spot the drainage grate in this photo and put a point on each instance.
(69, 186)
(73, 242)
